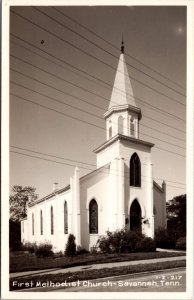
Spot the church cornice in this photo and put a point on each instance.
(53, 194)
(120, 108)
(121, 137)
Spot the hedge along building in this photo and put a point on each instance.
(120, 193)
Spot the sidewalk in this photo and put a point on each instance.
(95, 266)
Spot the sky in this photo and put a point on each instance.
(63, 64)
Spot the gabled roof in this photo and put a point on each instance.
(66, 188)
(122, 92)
(157, 186)
(121, 137)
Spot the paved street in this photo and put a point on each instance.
(167, 281)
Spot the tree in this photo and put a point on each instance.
(18, 201)
(71, 246)
(176, 214)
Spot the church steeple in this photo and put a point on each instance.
(122, 92)
(123, 115)
(122, 46)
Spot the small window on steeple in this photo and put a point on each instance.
(110, 129)
(132, 127)
(120, 125)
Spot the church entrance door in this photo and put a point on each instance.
(135, 216)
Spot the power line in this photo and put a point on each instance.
(85, 163)
(50, 160)
(43, 106)
(117, 48)
(95, 78)
(101, 48)
(88, 54)
(64, 103)
(145, 116)
(98, 116)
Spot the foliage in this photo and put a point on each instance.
(30, 247)
(125, 241)
(14, 236)
(176, 214)
(19, 199)
(81, 250)
(164, 239)
(71, 246)
(146, 244)
(181, 243)
(44, 250)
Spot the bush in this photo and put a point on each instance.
(81, 250)
(147, 244)
(71, 246)
(44, 250)
(14, 236)
(125, 241)
(165, 239)
(30, 247)
(181, 243)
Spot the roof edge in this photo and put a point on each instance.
(122, 137)
(127, 107)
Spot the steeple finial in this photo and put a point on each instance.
(122, 45)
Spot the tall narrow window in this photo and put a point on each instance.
(41, 223)
(93, 216)
(110, 132)
(65, 218)
(32, 223)
(132, 127)
(120, 125)
(52, 221)
(135, 170)
(110, 129)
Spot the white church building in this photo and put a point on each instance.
(120, 193)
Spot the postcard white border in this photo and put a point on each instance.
(5, 293)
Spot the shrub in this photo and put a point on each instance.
(164, 239)
(81, 250)
(181, 243)
(14, 236)
(147, 244)
(125, 241)
(30, 247)
(70, 246)
(44, 250)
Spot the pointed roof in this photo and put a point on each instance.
(122, 92)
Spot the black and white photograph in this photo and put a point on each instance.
(96, 200)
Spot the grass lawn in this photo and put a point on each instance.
(38, 280)
(29, 262)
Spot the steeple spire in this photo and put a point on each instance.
(122, 45)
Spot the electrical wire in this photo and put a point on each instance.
(90, 55)
(117, 48)
(95, 78)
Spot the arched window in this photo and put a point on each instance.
(52, 221)
(65, 218)
(135, 170)
(93, 216)
(110, 129)
(120, 125)
(41, 223)
(110, 132)
(32, 223)
(132, 127)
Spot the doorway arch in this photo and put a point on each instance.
(135, 216)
